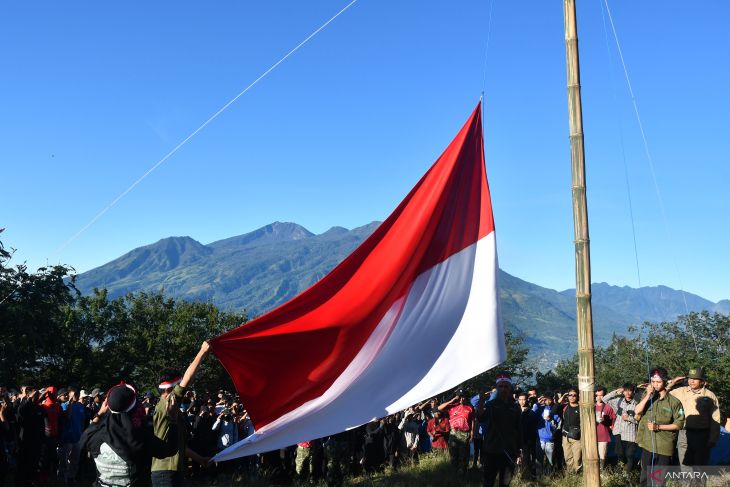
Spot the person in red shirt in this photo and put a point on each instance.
(438, 430)
(461, 421)
(49, 455)
(605, 416)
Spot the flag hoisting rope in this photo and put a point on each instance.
(410, 313)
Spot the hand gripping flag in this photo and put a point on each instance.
(410, 313)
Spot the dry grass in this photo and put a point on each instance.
(436, 471)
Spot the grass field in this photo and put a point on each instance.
(435, 471)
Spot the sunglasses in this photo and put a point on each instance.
(572, 395)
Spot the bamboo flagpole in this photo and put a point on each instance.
(584, 316)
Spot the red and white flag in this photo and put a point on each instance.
(410, 313)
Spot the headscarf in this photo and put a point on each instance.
(118, 428)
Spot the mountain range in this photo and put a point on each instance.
(257, 271)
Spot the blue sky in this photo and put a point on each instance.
(94, 93)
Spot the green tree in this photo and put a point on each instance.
(138, 335)
(696, 340)
(33, 312)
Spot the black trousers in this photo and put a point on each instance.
(692, 447)
(497, 464)
(626, 451)
(650, 465)
(477, 449)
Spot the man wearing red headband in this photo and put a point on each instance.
(660, 418)
(170, 471)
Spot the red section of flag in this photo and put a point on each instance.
(294, 353)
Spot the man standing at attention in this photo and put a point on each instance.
(702, 419)
(503, 435)
(529, 420)
(170, 471)
(624, 427)
(605, 416)
(660, 418)
(461, 420)
(571, 431)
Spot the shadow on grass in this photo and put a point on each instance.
(436, 471)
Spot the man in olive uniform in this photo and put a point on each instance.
(170, 471)
(660, 418)
(702, 419)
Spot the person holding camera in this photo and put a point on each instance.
(625, 425)
(572, 446)
(227, 429)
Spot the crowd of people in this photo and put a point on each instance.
(122, 437)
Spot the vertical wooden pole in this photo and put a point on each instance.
(584, 316)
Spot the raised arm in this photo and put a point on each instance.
(673, 382)
(615, 394)
(193, 367)
(448, 403)
(641, 407)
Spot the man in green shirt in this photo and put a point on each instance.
(170, 471)
(660, 418)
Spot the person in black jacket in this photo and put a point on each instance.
(373, 448)
(4, 433)
(529, 420)
(501, 445)
(391, 441)
(31, 434)
(119, 442)
(571, 431)
(204, 439)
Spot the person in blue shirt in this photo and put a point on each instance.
(72, 421)
(547, 425)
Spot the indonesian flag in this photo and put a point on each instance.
(410, 313)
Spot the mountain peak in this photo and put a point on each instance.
(268, 234)
(162, 256)
(335, 231)
(286, 231)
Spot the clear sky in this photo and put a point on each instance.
(94, 93)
